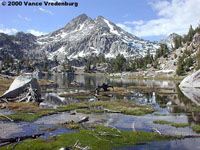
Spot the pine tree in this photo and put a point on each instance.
(88, 66)
(180, 66)
(190, 33)
(197, 30)
(178, 42)
(162, 51)
(119, 63)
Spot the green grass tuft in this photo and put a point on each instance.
(196, 128)
(97, 139)
(177, 125)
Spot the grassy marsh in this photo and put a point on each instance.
(97, 138)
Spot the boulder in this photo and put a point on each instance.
(52, 100)
(192, 80)
(196, 39)
(190, 85)
(26, 86)
(193, 94)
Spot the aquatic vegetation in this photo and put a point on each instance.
(28, 116)
(30, 111)
(97, 138)
(177, 125)
(124, 107)
(119, 106)
(27, 112)
(89, 111)
(196, 128)
(71, 125)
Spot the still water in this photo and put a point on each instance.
(169, 102)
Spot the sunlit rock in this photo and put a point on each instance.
(192, 80)
(25, 87)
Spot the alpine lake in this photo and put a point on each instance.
(135, 114)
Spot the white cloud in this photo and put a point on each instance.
(23, 18)
(11, 31)
(7, 30)
(46, 11)
(173, 16)
(35, 32)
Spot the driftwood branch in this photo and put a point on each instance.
(3, 100)
(78, 146)
(6, 117)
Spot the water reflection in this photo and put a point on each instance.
(164, 96)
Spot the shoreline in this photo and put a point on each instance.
(135, 75)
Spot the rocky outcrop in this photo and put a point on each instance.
(193, 94)
(190, 87)
(169, 41)
(192, 80)
(52, 100)
(196, 38)
(23, 88)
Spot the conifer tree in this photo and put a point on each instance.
(190, 33)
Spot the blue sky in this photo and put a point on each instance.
(149, 19)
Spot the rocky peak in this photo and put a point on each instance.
(173, 35)
(103, 22)
(72, 25)
(21, 36)
(196, 38)
(169, 40)
(80, 19)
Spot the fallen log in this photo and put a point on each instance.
(8, 141)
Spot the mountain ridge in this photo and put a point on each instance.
(83, 37)
(95, 36)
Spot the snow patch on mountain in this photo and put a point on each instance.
(84, 36)
(112, 30)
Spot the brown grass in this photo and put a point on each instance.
(4, 84)
(22, 106)
(43, 82)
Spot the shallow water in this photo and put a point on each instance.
(170, 106)
(184, 144)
